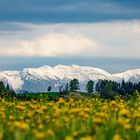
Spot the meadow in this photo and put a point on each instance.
(72, 118)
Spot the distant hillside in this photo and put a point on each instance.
(38, 79)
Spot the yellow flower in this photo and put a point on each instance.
(127, 126)
(69, 138)
(124, 112)
(23, 126)
(16, 123)
(56, 112)
(11, 117)
(43, 108)
(138, 129)
(40, 135)
(30, 114)
(65, 119)
(98, 121)
(20, 107)
(86, 138)
(50, 132)
(113, 102)
(137, 115)
(61, 100)
(75, 133)
(3, 116)
(117, 137)
(40, 126)
(125, 123)
(1, 136)
(47, 119)
(21, 117)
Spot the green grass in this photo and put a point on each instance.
(43, 95)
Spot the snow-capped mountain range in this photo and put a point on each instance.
(38, 79)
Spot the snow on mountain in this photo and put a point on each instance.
(38, 79)
(12, 78)
(130, 75)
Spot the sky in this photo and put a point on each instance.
(97, 33)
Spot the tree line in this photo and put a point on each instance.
(106, 88)
(109, 89)
(6, 91)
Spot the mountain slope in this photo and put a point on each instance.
(38, 79)
(130, 75)
(12, 78)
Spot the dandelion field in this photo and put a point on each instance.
(70, 119)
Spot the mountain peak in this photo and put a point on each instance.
(38, 79)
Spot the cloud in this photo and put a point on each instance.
(50, 45)
(68, 11)
(111, 39)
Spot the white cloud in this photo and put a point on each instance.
(114, 38)
(50, 45)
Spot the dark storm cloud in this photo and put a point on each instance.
(68, 10)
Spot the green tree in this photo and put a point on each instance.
(2, 89)
(7, 87)
(49, 88)
(107, 91)
(74, 85)
(89, 86)
(123, 87)
(6, 92)
(64, 90)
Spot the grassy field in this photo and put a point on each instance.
(76, 118)
(53, 95)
